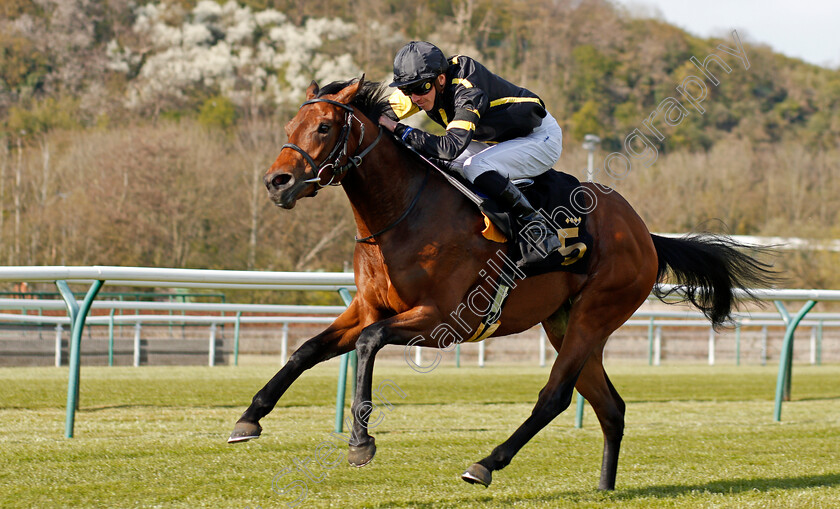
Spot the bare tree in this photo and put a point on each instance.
(308, 256)
(45, 167)
(3, 164)
(18, 191)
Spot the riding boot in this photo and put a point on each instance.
(537, 238)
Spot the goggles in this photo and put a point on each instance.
(419, 88)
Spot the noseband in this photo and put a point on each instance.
(339, 150)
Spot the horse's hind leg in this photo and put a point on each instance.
(595, 386)
(553, 399)
(340, 337)
(593, 317)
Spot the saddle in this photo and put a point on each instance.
(558, 196)
(560, 199)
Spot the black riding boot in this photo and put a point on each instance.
(537, 238)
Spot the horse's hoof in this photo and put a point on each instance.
(244, 431)
(361, 455)
(478, 474)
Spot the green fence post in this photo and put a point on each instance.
(341, 390)
(738, 344)
(339, 394)
(819, 342)
(111, 338)
(579, 411)
(354, 367)
(783, 380)
(458, 355)
(78, 314)
(236, 339)
(782, 352)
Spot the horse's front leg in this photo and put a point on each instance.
(338, 338)
(397, 330)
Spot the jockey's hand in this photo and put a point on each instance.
(387, 123)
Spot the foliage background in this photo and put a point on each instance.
(135, 133)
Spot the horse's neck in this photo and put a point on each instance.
(383, 187)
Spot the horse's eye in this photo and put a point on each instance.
(324, 128)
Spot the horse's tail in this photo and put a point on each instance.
(707, 269)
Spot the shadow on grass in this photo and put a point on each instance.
(817, 398)
(730, 486)
(723, 487)
(103, 408)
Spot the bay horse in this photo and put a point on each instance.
(421, 253)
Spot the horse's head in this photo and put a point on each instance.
(316, 154)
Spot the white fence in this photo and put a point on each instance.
(654, 321)
(190, 278)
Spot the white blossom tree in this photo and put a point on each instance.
(245, 55)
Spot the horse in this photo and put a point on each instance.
(420, 253)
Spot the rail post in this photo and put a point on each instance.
(764, 334)
(58, 330)
(341, 390)
(111, 337)
(783, 380)
(236, 338)
(211, 347)
(284, 344)
(579, 411)
(819, 342)
(657, 346)
(137, 328)
(650, 342)
(711, 346)
(78, 315)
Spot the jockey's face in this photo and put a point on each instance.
(427, 101)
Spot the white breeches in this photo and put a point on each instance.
(523, 157)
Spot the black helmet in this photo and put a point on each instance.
(418, 61)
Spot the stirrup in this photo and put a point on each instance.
(535, 251)
(522, 183)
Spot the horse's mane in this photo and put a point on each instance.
(372, 101)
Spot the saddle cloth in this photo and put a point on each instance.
(560, 199)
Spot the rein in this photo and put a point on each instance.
(404, 214)
(338, 151)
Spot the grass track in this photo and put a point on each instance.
(696, 436)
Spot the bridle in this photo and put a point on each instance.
(339, 151)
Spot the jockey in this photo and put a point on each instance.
(495, 130)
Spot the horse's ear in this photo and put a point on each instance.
(349, 92)
(312, 91)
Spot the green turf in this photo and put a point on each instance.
(696, 436)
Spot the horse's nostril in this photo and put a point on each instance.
(280, 180)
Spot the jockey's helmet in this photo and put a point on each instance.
(418, 61)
